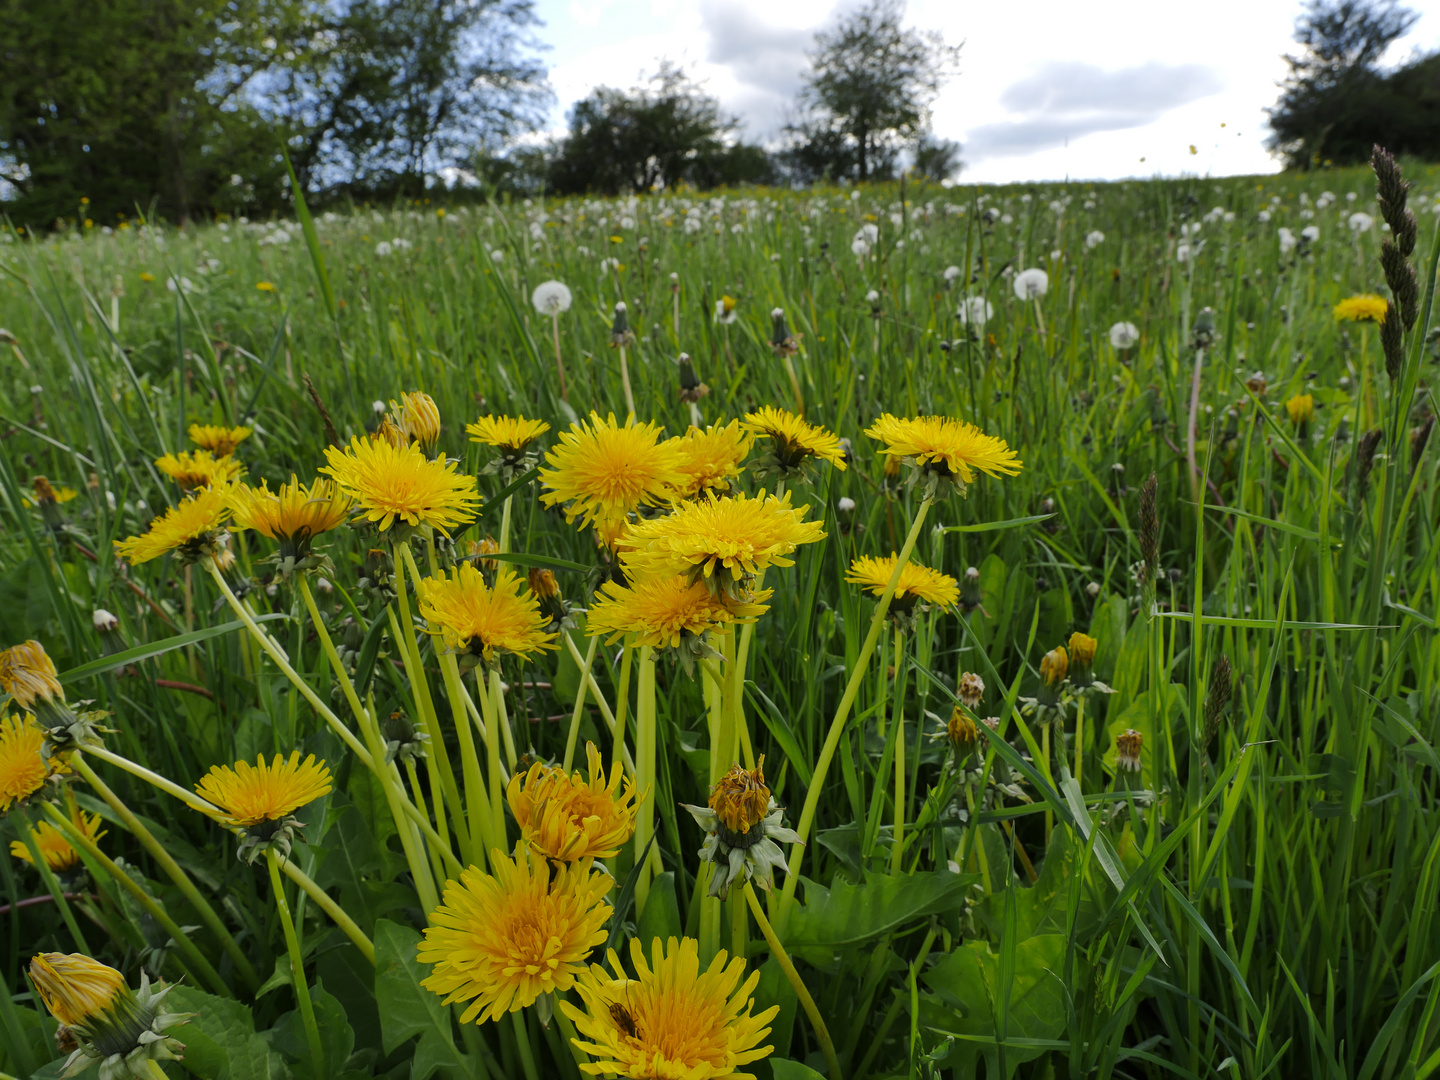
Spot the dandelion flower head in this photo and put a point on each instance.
(602, 470)
(917, 582)
(665, 611)
(191, 529)
(508, 433)
(390, 483)
(709, 459)
(199, 468)
(218, 439)
(551, 297)
(483, 620)
(251, 794)
(54, 848)
(570, 818)
(1364, 307)
(23, 770)
(793, 440)
(950, 447)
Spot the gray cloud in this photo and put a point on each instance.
(766, 60)
(1068, 100)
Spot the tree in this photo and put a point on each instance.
(1336, 102)
(868, 94)
(658, 135)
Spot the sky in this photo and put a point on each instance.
(1047, 89)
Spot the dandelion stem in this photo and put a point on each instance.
(822, 1034)
(522, 1040)
(337, 914)
(600, 702)
(559, 364)
(172, 868)
(898, 839)
(481, 825)
(645, 768)
(842, 714)
(625, 384)
(297, 966)
(573, 735)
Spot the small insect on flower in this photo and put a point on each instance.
(1363, 307)
(261, 798)
(673, 1020)
(217, 439)
(569, 818)
(501, 940)
(123, 1030)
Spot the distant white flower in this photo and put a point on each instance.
(1186, 250)
(1263, 217)
(872, 297)
(1229, 216)
(1310, 233)
(1287, 241)
(551, 297)
(497, 256)
(951, 273)
(854, 196)
(1350, 196)
(627, 223)
(383, 248)
(1031, 284)
(1094, 238)
(870, 231)
(846, 505)
(1123, 335)
(401, 244)
(1056, 255)
(1006, 219)
(693, 225)
(1360, 222)
(183, 284)
(976, 311)
(860, 247)
(379, 407)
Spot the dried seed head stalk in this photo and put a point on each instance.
(1217, 700)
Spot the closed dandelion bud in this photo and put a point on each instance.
(970, 595)
(107, 626)
(1053, 667)
(418, 417)
(1128, 744)
(403, 741)
(781, 340)
(845, 514)
(674, 282)
(691, 388)
(1217, 699)
(963, 733)
(620, 329)
(1149, 528)
(123, 1030)
(1081, 654)
(972, 690)
(1203, 332)
(1365, 460)
(547, 591)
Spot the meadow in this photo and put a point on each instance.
(1125, 766)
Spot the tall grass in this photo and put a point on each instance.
(1258, 899)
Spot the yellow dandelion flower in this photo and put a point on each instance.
(568, 818)
(917, 582)
(45, 493)
(199, 468)
(793, 439)
(603, 470)
(740, 798)
(949, 447)
(389, 482)
(251, 794)
(664, 611)
(1301, 409)
(293, 515)
(265, 286)
(417, 416)
(511, 433)
(710, 459)
(673, 1020)
(1053, 666)
(76, 989)
(1080, 651)
(502, 939)
(1364, 307)
(733, 532)
(28, 674)
(220, 441)
(59, 856)
(22, 768)
(190, 529)
(481, 620)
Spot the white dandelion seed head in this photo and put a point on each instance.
(551, 297)
(1123, 335)
(1031, 284)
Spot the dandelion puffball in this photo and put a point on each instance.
(1287, 241)
(1360, 222)
(1094, 239)
(860, 247)
(951, 273)
(1031, 284)
(975, 310)
(551, 297)
(1123, 335)
(1310, 233)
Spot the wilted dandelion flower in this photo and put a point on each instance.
(793, 442)
(918, 583)
(709, 459)
(1053, 667)
(501, 940)
(673, 1020)
(743, 832)
(199, 468)
(975, 311)
(219, 440)
(54, 848)
(294, 515)
(192, 529)
(1124, 335)
(971, 690)
(1031, 284)
(23, 768)
(1301, 409)
(260, 798)
(946, 450)
(391, 482)
(962, 732)
(602, 470)
(1363, 307)
(569, 818)
(719, 538)
(551, 298)
(123, 1030)
(1128, 745)
(479, 620)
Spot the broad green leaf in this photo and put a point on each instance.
(661, 917)
(782, 1069)
(850, 914)
(1042, 908)
(407, 1009)
(219, 1031)
(337, 1038)
(155, 648)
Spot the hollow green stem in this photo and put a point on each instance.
(172, 868)
(337, 914)
(897, 841)
(481, 827)
(842, 715)
(822, 1034)
(645, 752)
(600, 702)
(297, 966)
(573, 735)
(522, 1041)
